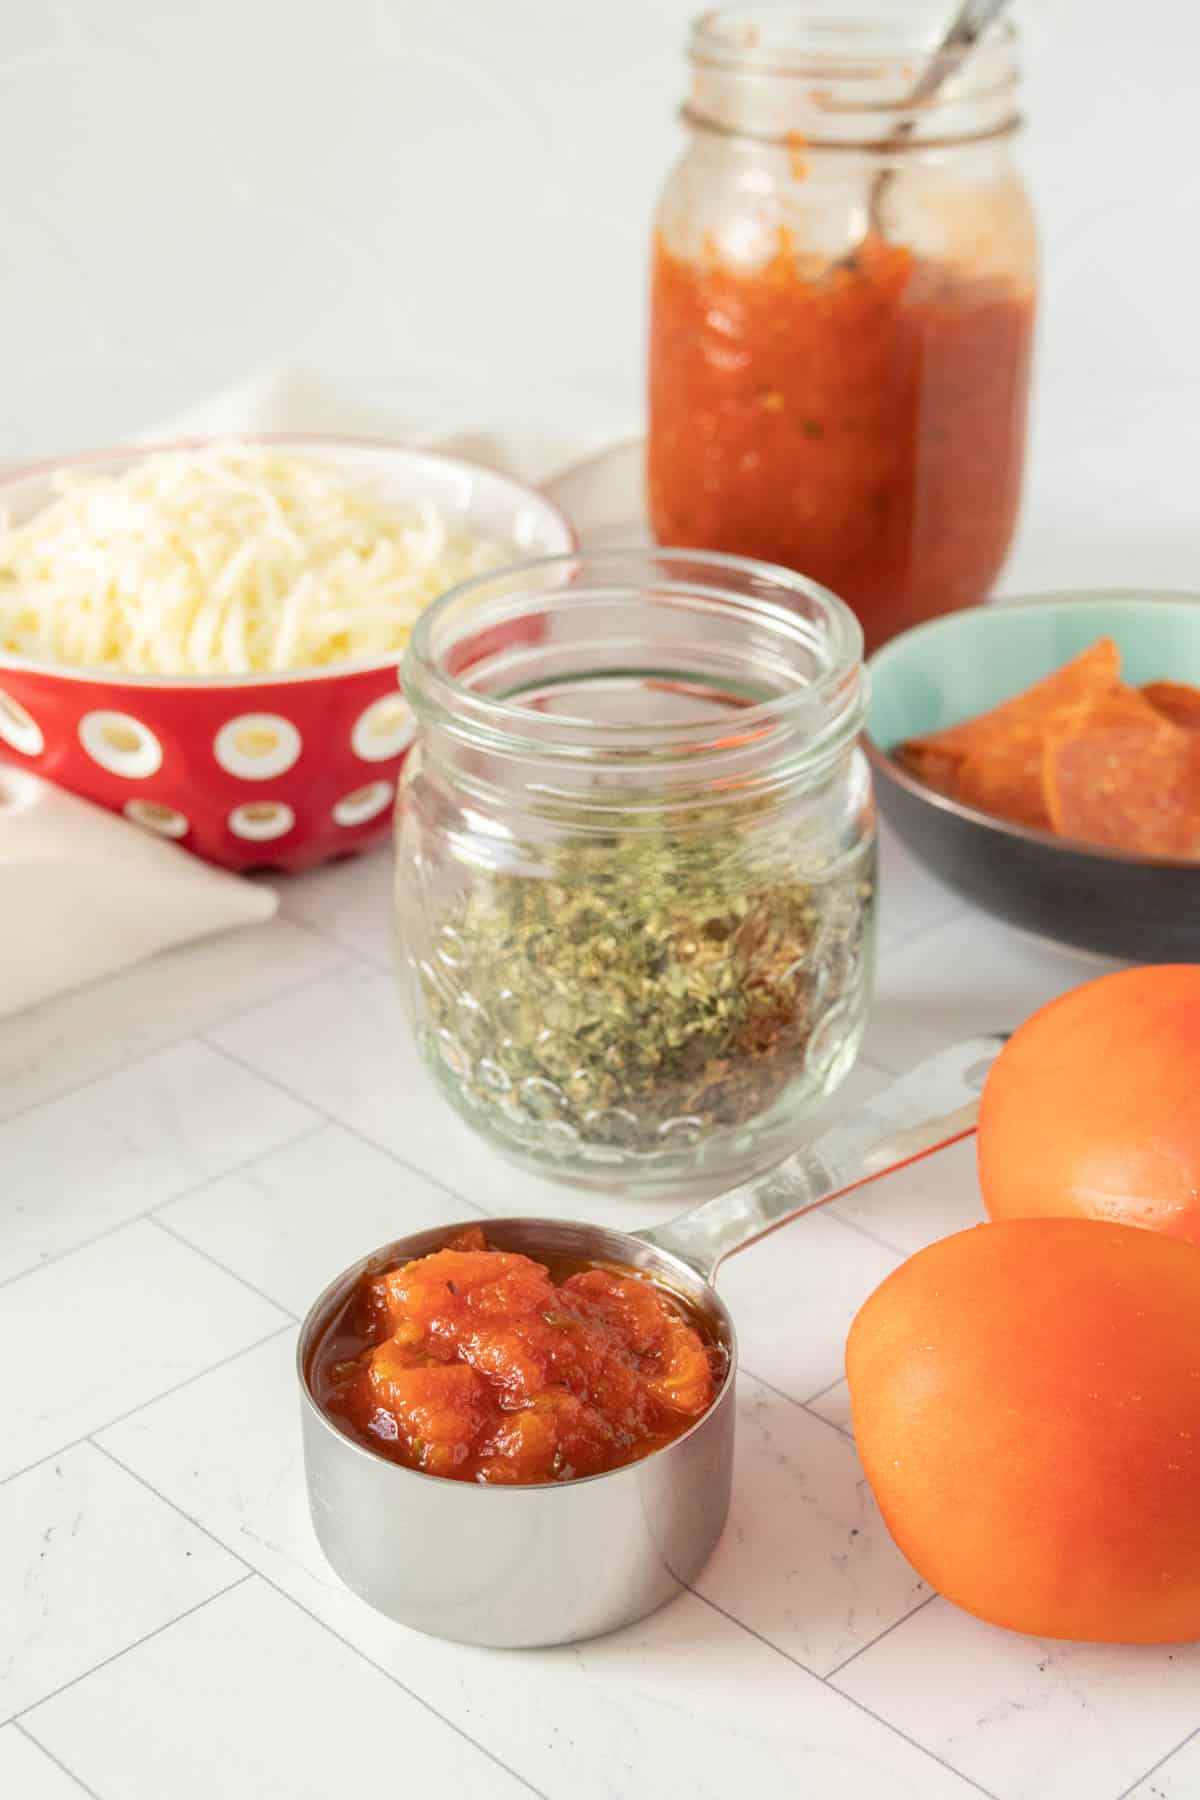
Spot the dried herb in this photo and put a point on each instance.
(647, 988)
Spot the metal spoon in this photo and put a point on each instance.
(550, 1564)
(965, 31)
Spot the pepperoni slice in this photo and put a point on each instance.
(1006, 781)
(1005, 775)
(1126, 778)
(937, 769)
(1088, 676)
(1176, 701)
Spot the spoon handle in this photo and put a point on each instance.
(969, 25)
(934, 1105)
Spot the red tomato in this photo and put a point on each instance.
(1092, 1109)
(1027, 1410)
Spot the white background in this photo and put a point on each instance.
(446, 203)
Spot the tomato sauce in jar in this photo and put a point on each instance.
(485, 1366)
(863, 424)
(843, 291)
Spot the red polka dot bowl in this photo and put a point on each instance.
(281, 771)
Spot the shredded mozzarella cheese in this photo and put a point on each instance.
(231, 560)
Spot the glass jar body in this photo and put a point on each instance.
(841, 336)
(639, 967)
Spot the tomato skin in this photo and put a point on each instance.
(1026, 1403)
(1092, 1109)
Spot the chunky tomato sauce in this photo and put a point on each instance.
(479, 1365)
(864, 425)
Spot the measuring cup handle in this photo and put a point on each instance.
(934, 1105)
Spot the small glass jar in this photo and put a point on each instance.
(842, 313)
(636, 860)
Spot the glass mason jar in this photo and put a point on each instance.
(636, 860)
(842, 313)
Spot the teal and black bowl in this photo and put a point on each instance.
(957, 666)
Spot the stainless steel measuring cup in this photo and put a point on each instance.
(560, 1561)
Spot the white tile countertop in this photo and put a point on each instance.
(187, 1153)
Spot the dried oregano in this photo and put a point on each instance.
(639, 990)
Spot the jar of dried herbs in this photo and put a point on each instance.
(636, 860)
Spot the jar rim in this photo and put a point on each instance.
(789, 39)
(835, 696)
(778, 73)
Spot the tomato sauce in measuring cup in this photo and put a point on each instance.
(486, 1366)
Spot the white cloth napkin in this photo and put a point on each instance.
(292, 398)
(83, 892)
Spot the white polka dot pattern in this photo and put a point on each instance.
(363, 804)
(214, 773)
(121, 744)
(385, 729)
(18, 728)
(165, 821)
(259, 821)
(257, 746)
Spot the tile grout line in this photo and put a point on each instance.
(827, 1684)
(419, 1699)
(58, 1762)
(1155, 1767)
(346, 1643)
(146, 1638)
(240, 1168)
(147, 1212)
(41, 1461)
(864, 1231)
(802, 1405)
(108, 1424)
(353, 1131)
(961, 1774)
(79, 1087)
(412, 1168)
(245, 1350)
(956, 910)
(152, 1218)
(352, 952)
(57, 1256)
(887, 1631)
(380, 965)
(842, 1430)
(195, 1035)
(821, 1392)
(374, 1143)
(112, 1457)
